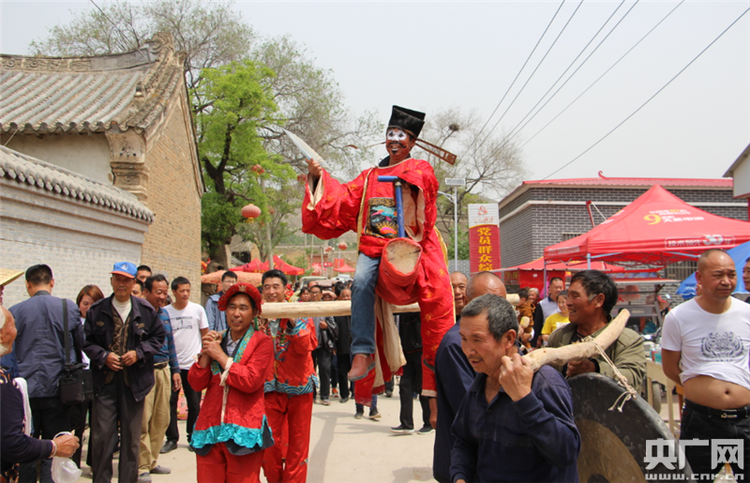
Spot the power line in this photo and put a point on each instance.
(532, 74)
(516, 78)
(515, 128)
(650, 98)
(601, 76)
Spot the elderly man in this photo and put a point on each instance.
(166, 379)
(454, 376)
(123, 333)
(705, 348)
(289, 389)
(546, 307)
(513, 424)
(217, 320)
(367, 206)
(40, 353)
(591, 297)
(459, 282)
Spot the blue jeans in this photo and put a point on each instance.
(363, 305)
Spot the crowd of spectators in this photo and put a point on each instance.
(147, 345)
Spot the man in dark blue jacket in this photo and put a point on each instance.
(40, 352)
(513, 424)
(122, 335)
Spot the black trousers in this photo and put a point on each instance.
(709, 428)
(50, 417)
(322, 362)
(114, 404)
(78, 413)
(411, 382)
(343, 365)
(194, 407)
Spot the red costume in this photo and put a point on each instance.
(232, 431)
(289, 401)
(366, 206)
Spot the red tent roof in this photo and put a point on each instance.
(657, 228)
(288, 269)
(341, 266)
(574, 265)
(255, 266)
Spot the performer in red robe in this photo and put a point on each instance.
(368, 207)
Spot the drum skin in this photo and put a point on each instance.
(613, 443)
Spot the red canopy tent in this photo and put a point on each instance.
(288, 269)
(657, 228)
(341, 266)
(255, 266)
(531, 274)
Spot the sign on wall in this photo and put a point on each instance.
(484, 237)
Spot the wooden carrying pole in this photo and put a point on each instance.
(559, 356)
(332, 309)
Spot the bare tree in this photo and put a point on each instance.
(491, 169)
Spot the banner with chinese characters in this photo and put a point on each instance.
(484, 237)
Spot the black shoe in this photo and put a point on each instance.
(168, 446)
(426, 429)
(191, 449)
(401, 429)
(388, 393)
(344, 400)
(359, 415)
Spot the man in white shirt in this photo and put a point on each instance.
(189, 324)
(705, 348)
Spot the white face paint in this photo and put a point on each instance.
(397, 135)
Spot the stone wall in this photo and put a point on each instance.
(173, 241)
(79, 241)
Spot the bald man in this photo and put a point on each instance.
(705, 348)
(454, 375)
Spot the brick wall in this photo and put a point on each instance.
(79, 241)
(173, 242)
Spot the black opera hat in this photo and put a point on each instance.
(408, 120)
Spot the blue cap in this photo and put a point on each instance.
(125, 268)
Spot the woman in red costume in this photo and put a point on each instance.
(368, 207)
(232, 431)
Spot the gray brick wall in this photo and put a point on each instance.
(77, 240)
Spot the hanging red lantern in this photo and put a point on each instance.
(258, 169)
(343, 246)
(250, 211)
(328, 249)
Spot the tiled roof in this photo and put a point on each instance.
(604, 181)
(88, 94)
(666, 182)
(35, 172)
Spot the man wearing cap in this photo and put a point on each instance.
(368, 207)
(123, 333)
(40, 353)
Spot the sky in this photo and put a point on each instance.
(432, 56)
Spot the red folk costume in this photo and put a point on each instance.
(289, 400)
(232, 430)
(364, 206)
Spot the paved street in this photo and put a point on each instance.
(342, 449)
